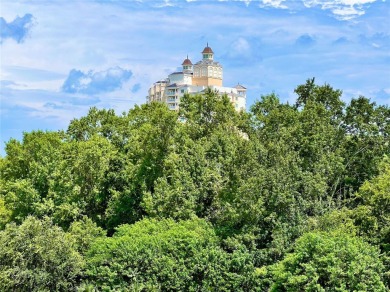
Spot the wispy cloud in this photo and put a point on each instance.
(274, 3)
(17, 29)
(95, 82)
(7, 83)
(377, 40)
(342, 9)
(32, 74)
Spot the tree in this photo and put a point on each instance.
(76, 186)
(205, 112)
(298, 165)
(84, 232)
(134, 172)
(324, 95)
(373, 215)
(329, 262)
(367, 129)
(38, 256)
(376, 195)
(5, 214)
(34, 159)
(169, 256)
(99, 122)
(20, 198)
(204, 199)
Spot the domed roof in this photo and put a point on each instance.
(187, 62)
(207, 50)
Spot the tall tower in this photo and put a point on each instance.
(207, 72)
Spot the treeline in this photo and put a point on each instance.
(286, 197)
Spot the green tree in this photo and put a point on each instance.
(203, 113)
(34, 159)
(76, 186)
(324, 95)
(259, 181)
(149, 140)
(375, 194)
(367, 129)
(298, 165)
(20, 198)
(100, 122)
(84, 232)
(329, 262)
(26, 171)
(169, 256)
(373, 215)
(5, 214)
(38, 256)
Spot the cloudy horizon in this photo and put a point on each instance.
(59, 58)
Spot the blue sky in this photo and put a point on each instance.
(59, 58)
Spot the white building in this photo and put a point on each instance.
(195, 79)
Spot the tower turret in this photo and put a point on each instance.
(207, 72)
(187, 65)
(207, 53)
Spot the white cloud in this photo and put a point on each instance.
(165, 3)
(256, 46)
(247, 2)
(342, 9)
(273, 3)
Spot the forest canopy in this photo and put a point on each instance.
(284, 197)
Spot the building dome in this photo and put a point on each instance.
(187, 65)
(207, 53)
(207, 50)
(187, 62)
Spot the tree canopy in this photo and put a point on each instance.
(284, 197)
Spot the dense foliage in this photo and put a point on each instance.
(286, 197)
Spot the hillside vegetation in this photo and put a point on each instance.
(285, 197)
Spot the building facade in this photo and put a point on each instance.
(194, 79)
